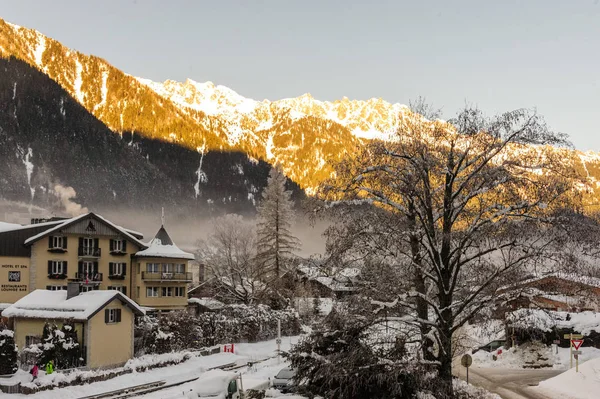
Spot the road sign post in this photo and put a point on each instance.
(466, 361)
(573, 337)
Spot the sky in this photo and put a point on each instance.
(496, 55)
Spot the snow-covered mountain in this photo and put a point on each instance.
(302, 134)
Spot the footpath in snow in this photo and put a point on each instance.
(172, 374)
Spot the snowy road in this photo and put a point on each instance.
(509, 383)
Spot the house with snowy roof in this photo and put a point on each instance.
(103, 321)
(95, 253)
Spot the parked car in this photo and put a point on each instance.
(283, 381)
(219, 384)
(492, 346)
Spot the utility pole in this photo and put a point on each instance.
(278, 341)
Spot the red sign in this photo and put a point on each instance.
(499, 351)
(228, 348)
(576, 343)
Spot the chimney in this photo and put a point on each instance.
(72, 290)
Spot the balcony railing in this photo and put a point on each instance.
(116, 276)
(89, 277)
(167, 276)
(89, 252)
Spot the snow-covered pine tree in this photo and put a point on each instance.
(8, 351)
(68, 346)
(276, 243)
(47, 345)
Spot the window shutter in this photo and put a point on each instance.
(95, 267)
(96, 243)
(48, 287)
(124, 290)
(110, 269)
(65, 272)
(106, 316)
(112, 244)
(124, 245)
(97, 287)
(49, 241)
(65, 239)
(80, 269)
(49, 267)
(80, 242)
(124, 269)
(118, 315)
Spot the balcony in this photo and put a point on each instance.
(116, 276)
(88, 277)
(89, 252)
(167, 276)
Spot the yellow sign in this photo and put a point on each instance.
(573, 336)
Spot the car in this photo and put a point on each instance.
(283, 381)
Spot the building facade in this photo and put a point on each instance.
(97, 255)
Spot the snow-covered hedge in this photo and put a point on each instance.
(177, 331)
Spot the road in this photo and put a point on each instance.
(509, 383)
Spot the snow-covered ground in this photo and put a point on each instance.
(180, 372)
(573, 385)
(532, 355)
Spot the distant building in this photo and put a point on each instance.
(97, 255)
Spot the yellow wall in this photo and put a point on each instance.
(110, 344)
(159, 302)
(10, 292)
(35, 327)
(40, 257)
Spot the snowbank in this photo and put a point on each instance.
(572, 385)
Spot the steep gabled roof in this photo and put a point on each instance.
(44, 304)
(162, 246)
(76, 219)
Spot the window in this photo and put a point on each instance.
(57, 267)
(232, 387)
(151, 292)
(167, 291)
(179, 291)
(56, 287)
(88, 242)
(117, 246)
(87, 268)
(112, 316)
(87, 288)
(180, 268)
(151, 267)
(118, 269)
(32, 340)
(137, 291)
(167, 267)
(57, 242)
(121, 288)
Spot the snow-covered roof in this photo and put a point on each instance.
(44, 304)
(209, 303)
(162, 246)
(4, 226)
(583, 322)
(69, 222)
(340, 280)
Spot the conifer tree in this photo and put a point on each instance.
(47, 345)
(67, 346)
(276, 243)
(8, 351)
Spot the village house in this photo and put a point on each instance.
(95, 253)
(103, 321)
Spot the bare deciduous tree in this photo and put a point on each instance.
(229, 253)
(470, 193)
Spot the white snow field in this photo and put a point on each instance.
(180, 372)
(573, 385)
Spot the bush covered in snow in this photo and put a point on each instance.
(59, 345)
(8, 351)
(178, 330)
